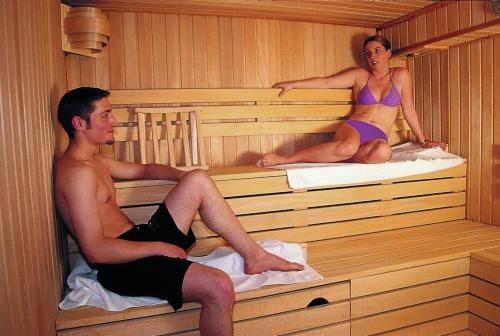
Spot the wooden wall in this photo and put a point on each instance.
(456, 94)
(450, 17)
(185, 51)
(31, 79)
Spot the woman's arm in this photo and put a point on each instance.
(342, 80)
(410, 114)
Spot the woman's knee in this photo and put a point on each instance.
(347, 149)
(379, 153)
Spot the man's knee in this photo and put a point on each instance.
(198, 177)
(347, 149)
(221, 291)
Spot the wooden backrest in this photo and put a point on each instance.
(193, 146)
(239, 125)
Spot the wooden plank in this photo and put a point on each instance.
(164, 96)
(333, 214)
(482, 327)
(465, 332)
(484, 309)
(338, 329)
(409, 277)
(327, 231)
(485, 271)
(408, 316)
(374, 304)
(485, 290)
(488, 257)
(327, 197)
(448, 325)
(255, 128)
(293, 321)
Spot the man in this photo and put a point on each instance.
(148, 259)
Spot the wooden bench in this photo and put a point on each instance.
(395, 254)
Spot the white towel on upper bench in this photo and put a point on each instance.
(86, 290)
(407, 159)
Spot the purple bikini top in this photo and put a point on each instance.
(392, 99)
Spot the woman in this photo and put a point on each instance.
(378, 92)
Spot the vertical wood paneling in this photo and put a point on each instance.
(455, 92)
(444, 92)
(187, 52)
(435, 97)
(475, 132)
(145, 50)
(30, 284)
(131, 51)
(454, 145)
(200, 52)
(213, 52)
(486, 134)
(117, 67)
(159, 46)
(496, 134)
(173, 51)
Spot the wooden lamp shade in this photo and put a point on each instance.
(85, 30)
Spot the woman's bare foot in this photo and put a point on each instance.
(268, 261)
(271, 160)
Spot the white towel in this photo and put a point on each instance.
(407, 159)
(86, 290)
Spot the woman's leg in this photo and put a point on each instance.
(373, 151)
(344, 146)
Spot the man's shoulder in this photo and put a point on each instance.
(69, 170)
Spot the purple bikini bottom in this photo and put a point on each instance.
(367, 131)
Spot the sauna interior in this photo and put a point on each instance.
(452, 49)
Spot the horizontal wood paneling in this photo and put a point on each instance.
(32, 78)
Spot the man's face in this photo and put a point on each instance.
(102, 123)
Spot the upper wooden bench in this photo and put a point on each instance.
(395, 254)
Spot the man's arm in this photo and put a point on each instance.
(80, 193)
(136, 171)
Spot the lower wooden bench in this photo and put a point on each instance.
(400, 282)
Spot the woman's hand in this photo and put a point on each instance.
(284, 86)
(432, 144)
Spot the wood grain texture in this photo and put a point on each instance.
(31, 276)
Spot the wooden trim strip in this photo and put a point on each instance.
(169, 96)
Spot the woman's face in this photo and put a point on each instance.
(376, 55)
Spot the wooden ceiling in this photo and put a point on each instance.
(362, 13)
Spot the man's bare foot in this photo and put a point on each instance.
(271, 160)
(268, 262)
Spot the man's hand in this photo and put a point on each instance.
(172, 251)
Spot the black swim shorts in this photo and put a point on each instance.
(156, 276)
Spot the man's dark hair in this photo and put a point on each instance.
(380, 39)
(78, 102)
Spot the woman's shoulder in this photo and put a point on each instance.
(399, 71)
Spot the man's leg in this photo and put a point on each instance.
(344, 146)
(197, 192)
(214, 290)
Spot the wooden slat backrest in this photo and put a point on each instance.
(175, 119)
(237, 113)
